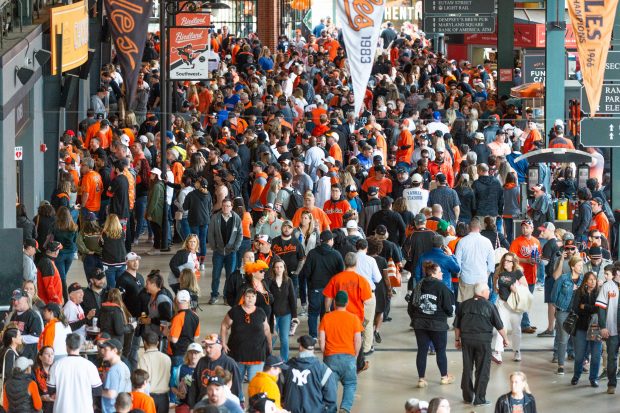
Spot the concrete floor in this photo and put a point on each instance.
(392, 376)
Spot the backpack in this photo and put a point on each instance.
(296, 201)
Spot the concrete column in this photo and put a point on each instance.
(8, 189)
(505, 42)
(268, 18)
(555, 64)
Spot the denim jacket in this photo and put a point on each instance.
(562, 292)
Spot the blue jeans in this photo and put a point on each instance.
(112, 273)
(525, 321)
(63, 263)
(509, 229)
(250, 369)
(439, 339)
(560, 317)
(228, 261)
(583, 347)
(316, 308)
(344, 366)
(139, 208)
(499, 224)
(612, 360)
(183, 228)
(282, 327)
(493, 296)
(201, 231)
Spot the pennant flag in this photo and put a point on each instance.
(361, 24)
(593, 21)
(129, 21)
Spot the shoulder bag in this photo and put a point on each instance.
(594, 330)
(521, 300)
(499, 250)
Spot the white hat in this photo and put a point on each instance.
(156, 171)
(132, 256)
(351, 224)
(23, 363)
(125, 139)
(183, 296)
(333, 135)
(195, 347)
(143, 139)
(323, 168)
(416, 178)
(331, 160)
(508, 126)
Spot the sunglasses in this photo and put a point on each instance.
(597, 237)
(262, 271)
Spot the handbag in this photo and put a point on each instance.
(393, 274)
(499, 251)
(594, 330)
(521, 300)
(570, 324)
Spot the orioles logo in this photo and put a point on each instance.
(363, 9)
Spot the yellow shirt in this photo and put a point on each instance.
(265, 383)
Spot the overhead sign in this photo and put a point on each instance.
(534, 69)
(612, 66)
(193, 19)
(609, 102)
(19, 153)
(459, 6)
(600, 132)
(72, 22)
(189, 54)
(459, 24)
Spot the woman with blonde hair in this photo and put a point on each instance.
(506, 279)
(519, 399)
(189, 282)
(185, 258)
(88, 242)
(31, 289)
(113, 250)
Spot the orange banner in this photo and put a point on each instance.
(72, 22)
(592, 21)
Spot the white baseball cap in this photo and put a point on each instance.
(183, 296)
(132, 256)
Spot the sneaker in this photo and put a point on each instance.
(539, 287)
(496, 357)
(213, 300)
(387, 319)
(593, 383)
(369, 352)
(528, 330)
(611, 390)
(546, 333)
(167, 249)
(517, 356)
(603, 375)
(202, 267)
(574, 381)
(449, 379)
(481, 403)
(378, 337)
(304, 311)
(422, 384)
(560, 371)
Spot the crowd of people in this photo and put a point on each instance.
(313, 212)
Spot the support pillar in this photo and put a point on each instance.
(555, 64)
(505, 43)
(268, 26)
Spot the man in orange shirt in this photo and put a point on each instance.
(91, 187)
(336, 207)
(319, 215)
(334, 149)
(141, 399)
(405, 145)
(380, 181)
(340, 337)
(356, 286)
(599, 219)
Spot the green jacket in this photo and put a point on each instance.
(155, 205)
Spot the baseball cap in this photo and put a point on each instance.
(350, 188)
(112, 343)
(97, 274)
(527, 222)
(326, 235)
(268, 206)
(436, 115)
(380, 230)
(570, 243)
(53, 246)
(74, 287)
(330, 159)
(351, 224)
(307, 342)
(23, 363)
(263, 239)
(441, 178)
(260, 401)
(183, 296)
(416, 178)
(288, 223)
(595, 252)
(19, 293)
(125, 139)
(342, 298)
(373, 190)
(275, 361)
(212, 338)
(443, 225)
(143, 139)
(419, 219)
(195, 347)
(216, 380)
(132, 256)
(547, 225)
(323, 168)
(31, 243)
(568, 236)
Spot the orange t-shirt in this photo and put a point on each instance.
(335, 152)
(600, 222)
(93, 186)
(246, 223)
(143, 402)
(356, 287)
(384, 185)
(317, 213)
(335, 211)
(523, 247)
(405, 139)
(340, 328)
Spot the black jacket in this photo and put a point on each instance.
(199, 205)
(111, 321)
(392, 221)
(582, 218)
(482, 151)
(16, 390)
(503, 404)
(178, 259)
(418, 243)
(322, 263)
(436, 305)
(28, 226)
(495, 238)
(309, 386)
(489, 196)
(92, 300)
(468, 203)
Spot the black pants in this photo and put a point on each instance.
(157, 241)
(476, 355)
(162, 402)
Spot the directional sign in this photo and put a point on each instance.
(600, 132)
(458, 6)
(609, 103)
(612, 67)
(459, 24)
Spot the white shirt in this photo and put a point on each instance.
(367, 267)
(475, 255)
(74, 378)
(61, 332)
(74, 312)
(323, 191)
(435, 126)
(608, 300)
(416, 199)
(314, 157)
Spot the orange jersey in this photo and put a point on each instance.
(335, 152)
(405, 140)
(600, 222)
(93, 186)
(384, 185)
(524, 247)
(317, 213)
(356, 287)
(335, 212)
